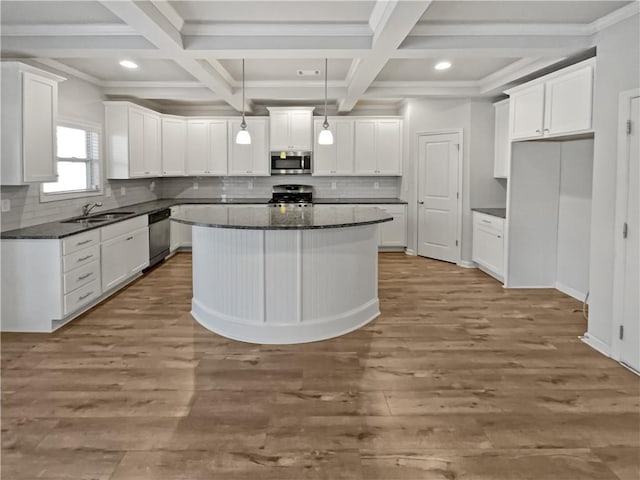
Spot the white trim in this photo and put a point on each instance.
(452, 131)
(427, 29)
(572, 292)
(622, 192)
(467, 264)
(258, 29)
(68, 30)
(596, 344)
(616, 16)
(410, 251)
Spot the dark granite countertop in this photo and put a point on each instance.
(269, 217)
(60, 229)
(494, 212)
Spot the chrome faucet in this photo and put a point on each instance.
(86, 209)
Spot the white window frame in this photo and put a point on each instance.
(84, 125)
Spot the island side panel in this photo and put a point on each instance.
(283, 282)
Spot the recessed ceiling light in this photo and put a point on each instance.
(128, 64)
(442, 65)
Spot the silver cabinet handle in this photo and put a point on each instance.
(86, 275)
(546, 129)
(83, 242)
(82, 297)
(420, 203)
(499, 236)
(84, 258)
(486, 221)
(129, 238)
(537, 131)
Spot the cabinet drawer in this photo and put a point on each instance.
(126, 226)
(80, 258)
(81, 276)
(80, 297)
(488, 221)
(79, 242)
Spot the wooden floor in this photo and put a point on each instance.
(457, 379)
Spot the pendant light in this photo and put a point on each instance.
(325, 137)
(243, 137)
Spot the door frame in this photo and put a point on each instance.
(428, 133)
(622, 192)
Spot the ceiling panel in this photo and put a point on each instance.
(416, 70)
(276, 11)
(519, 11)
(109, 69)
(18, 12)
(285, 69)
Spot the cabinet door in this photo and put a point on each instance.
(365, 147)
(174, 147)
(252, 159)
(151, 149)
(324, 156)
(488, 249)
(279, 131)
(388, 147)
(394, 233)
(136, 246)
(197, 147)
(502, 144)
(344, 141)
(569, 100)
(115, 262)
(217, 157)
(136, 143)
(526, 112)
(39, 109)
(300, 126)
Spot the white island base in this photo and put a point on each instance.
(285, 286)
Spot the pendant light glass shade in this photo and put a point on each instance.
(243, 137)
(325, 137)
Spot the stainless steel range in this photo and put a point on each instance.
(292, 195)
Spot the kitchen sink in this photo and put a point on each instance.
(109, 216)
(99, 218)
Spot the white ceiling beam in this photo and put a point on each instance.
(391, 22)
(67, 30)
(49, 62)
(255, 29)
(146, 19)
(424, 90)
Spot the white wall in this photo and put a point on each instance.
(617, 70)
(574, 217)
(479, 188)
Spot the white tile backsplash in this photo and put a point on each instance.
(27, 210)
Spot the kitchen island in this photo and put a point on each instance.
(285, 274)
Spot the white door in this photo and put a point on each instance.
(300, 127)
(526, 111)
(136, 143)
(438, 197)
(630, 343)
(217, 152)
(365, 147)
(279, 130)
(389, 147)
(197, 147)
(152, 145)
(174, 146)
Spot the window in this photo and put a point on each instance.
(77, 161)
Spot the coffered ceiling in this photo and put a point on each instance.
(381, 51)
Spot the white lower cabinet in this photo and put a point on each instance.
(180, 232)
(125, 251)
(488, 244)
(394, 233)
(48, 282)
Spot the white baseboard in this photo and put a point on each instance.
(572, 292)
(467, 264)
(596, 344)
(410, 251)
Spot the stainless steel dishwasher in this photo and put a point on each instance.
(159, 236)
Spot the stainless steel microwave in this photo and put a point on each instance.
(290, 163)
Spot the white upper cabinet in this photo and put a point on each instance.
(337, 158)
(29, 116)
(174, 146)
(291, 128)
(133, 141)
(502, 144)
(378, 146)
(555, 105)
(252, 159)
(206, 147)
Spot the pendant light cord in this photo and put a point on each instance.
(244, 124)
(325, 124)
